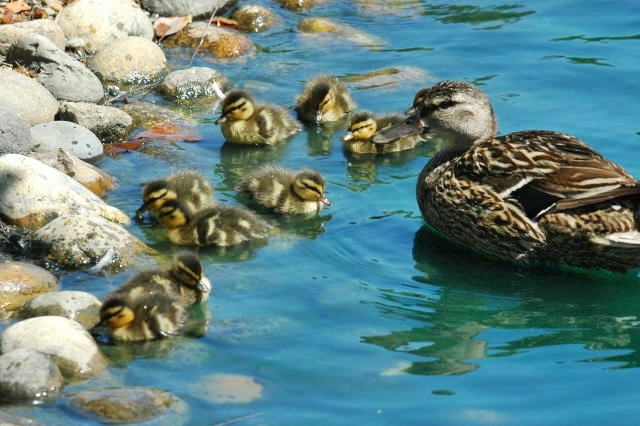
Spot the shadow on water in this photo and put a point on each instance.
(539, 306)
(498, 15)
(320, 137)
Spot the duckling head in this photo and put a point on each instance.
(173, 214)
(155, 194)
(322, 98)
(116, 313)
(237, 105)
(362, 127)
(309, 185)
(188, 270)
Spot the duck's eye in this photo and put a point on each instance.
(446, 104)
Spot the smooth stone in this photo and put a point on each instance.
(27, 375)
(195, 8)
(255, 18)
(228, 388)
(191, 83)
(222, 42)
(91, 177)
(63, 76)
(314, 26)
(9, 33)
(299, 5)
(133, 60)
(78, 241)
(34, 194)
(26, 98)
(147, 115)
(20, 282)
(127, 405)
(76, 305)
(77, 139)
(109, 124)
(66, 341)
(97, 23)
(8, 419)
(15, 137)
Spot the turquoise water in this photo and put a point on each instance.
(361, 315)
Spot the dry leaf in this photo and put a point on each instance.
(18, 6)
(120, 147)
(170, 132)
(39, 14)
(225, 22)
(164, 27)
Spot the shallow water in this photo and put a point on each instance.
(361, 315)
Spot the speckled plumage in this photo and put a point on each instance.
(190, 186)
(323, 99)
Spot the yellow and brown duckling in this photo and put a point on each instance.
(324, 99)
(285, 191)
(220, 226)
(244, 121)
(190, 186)
(363, 125)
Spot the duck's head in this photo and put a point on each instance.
(455, 110)
(362, 127)
(309, 185)
(116, 313)
(237, 105)
(173, 214)
(418, 99)
(188, 270)
(155, 194)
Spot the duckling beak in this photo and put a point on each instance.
(410, 126)
(347, 137)
(221, 119)
(318, 116)
(325, 201)
(141, 210)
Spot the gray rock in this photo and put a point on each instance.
(109, 124)
(21, 282)
(192, 83)
(26, 98)
(9, 33)
(66, 341)
(15, 137)
(129, 60)
(66, 78)
(96, 23)
(28, 376)
(76, 305)
(79, 241)
(78, 140)
(34, 194)
(195, 8)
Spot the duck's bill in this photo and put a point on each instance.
(410, 126)
(204, 286)
(319, 117)
(221, 119)
(325, 201)
(141, 209)
(347, 137)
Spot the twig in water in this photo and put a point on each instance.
(204, 34)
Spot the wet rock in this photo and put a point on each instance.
(78, 140)
(129, 60)
(7, 419)
(91, 177)
(222, 42)
(21, 282)
(34, 194)
(300, 5)
(195, 8)
(9, 33)
(66, 78)
(26, 98)
(109, 124)
(228, 389)
(255, 18)
(15, 137)
(331, 30)
(79, 241)
(145, 114)
(191, 83)
(28, 376)
(66, 341)
(97, 23)
(76, 305)
(127, 404)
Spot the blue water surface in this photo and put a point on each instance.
(361, 315)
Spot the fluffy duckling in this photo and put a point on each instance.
(246, 122)
(285, 191)
(220, 226)
(190, 186)
(324, 98)
(364, 124)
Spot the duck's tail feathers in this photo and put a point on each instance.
(630, 240)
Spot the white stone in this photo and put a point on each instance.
(26, 98)
(129, 60)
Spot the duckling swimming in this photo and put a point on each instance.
(220, 226)
(244, 121)
(324, 98)
(190, 186)
(285, 191)
(364, 124)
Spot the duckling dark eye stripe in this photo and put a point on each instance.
(187, 271)
(361, 127)
(235, 107)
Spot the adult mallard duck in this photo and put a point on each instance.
(527, 196)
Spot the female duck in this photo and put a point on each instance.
(285, 191)
(323, 99)
(363, 125)
(527, 196)
(244, 121)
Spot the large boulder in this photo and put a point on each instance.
(21, 282)
(195, 8)
(108, 123)
(26, 98)
(27, 375)
(66, 78)
(76, 305)
(33, 194)
(96, 23)
(129, 60)
(74, 138)
(15, 137)
(9, 33)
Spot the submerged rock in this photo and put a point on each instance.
(7, 419)
(192, 83)
(21, 282)
(228, 389)
(78, 140)
(66, 341)
(9, 33)
(398, 76)
(145, 114)
(127, 404)
(76, 305)
(300, 5)
(15, 137)
(323, 26)
(109, 124)
(195, 8)
(222, 42)
(26, 98)
(27, 375)
(255, 18)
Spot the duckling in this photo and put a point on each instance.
(147, 317)
(246, 122)
(364, 124)
(285, 191)
(324, 98)
(192, 187)
(220, 226)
